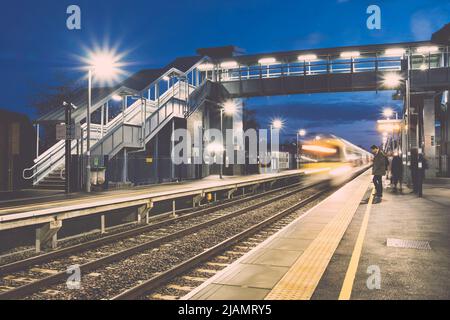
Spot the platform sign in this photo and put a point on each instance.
(70, 133)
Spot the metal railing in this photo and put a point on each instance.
(309, 68)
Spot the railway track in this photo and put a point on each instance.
(219, 251)
(180, 215)
(119, 247)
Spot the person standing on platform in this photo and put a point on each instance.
(378, 171)
(396, 172)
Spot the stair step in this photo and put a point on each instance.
(49, 187)
(51, 179)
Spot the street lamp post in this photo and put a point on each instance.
(105, 65)
(88, 133)
(229, 107)
(300, 133)
(276, 124)
(223, 151)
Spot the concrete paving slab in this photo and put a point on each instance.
(272, 257)
(254, 276)
(223, 292)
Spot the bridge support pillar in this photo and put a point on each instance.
(174, 207)
(230, 193)
(271, 183)
(430, 138)
(102, 224)
(47, 235)
(196, 200)
(143, 212)
(255, 187)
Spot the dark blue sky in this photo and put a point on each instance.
(36, 45)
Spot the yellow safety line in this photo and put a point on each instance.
(347, 286)
(300, 282)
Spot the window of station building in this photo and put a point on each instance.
(426, 61)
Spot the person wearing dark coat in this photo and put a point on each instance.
(378, 171)
(396, 172)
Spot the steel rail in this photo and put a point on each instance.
(187, 265)
(21, 264)
(30, 288)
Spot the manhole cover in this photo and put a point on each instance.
(410, 244)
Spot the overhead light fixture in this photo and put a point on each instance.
(267, 60)
(427, 49)
(350, 54)
(307, 57)
(396, 52)
(166, 78)
(116, 97)
(205, 67)
(229, 65)
(215, 147)
(302, 132)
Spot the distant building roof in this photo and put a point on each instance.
(8, 116)
(141, 79)
(442, 36)
(218, 52)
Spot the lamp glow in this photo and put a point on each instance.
(392, 80)
(215, 147)
(350, 54)
(395, 52)
(117, 97)
(229, 107)
(307, 57)
(229, 64)
(267, 60)
(302, 132)
(105, 64)
(427, 49)
(277, 124)
(388, 112)
(205, 67)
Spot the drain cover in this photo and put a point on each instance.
(410, 244)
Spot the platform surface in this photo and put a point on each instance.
(47, 209)
(398, 249)
(289, 264)
(404, 272)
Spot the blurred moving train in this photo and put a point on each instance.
(332, 156)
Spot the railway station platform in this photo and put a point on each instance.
(48, 209)
(348, 248)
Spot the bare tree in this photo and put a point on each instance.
(50, 97)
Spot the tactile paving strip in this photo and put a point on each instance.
(300, 282)
(408, 244)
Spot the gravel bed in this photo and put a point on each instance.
(107, 282)
(26, 252)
